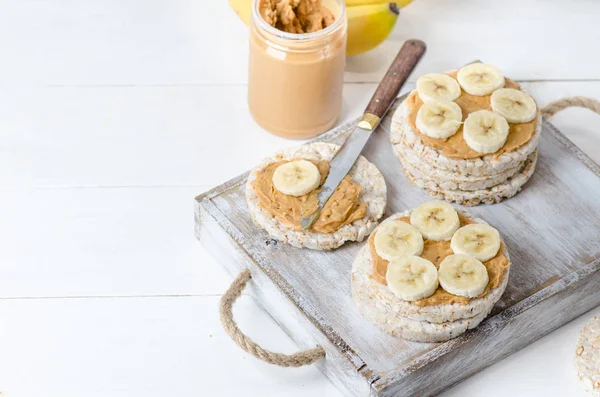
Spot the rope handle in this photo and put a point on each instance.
(298, 359)
(576, 101)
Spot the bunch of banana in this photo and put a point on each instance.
(463, 273)
(370, 22)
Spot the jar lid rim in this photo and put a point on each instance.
(297, 36)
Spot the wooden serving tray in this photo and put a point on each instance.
(552, 229)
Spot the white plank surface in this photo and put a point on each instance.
(106, 109)
(173, 136)
(134, 136)
(186, 42)
(151, 347)
(102, 242)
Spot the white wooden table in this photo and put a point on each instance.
(115, 114)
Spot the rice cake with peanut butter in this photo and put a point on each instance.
(385, 315)
(587, 358)
(350, 214)
(440, 156)
(437, 317)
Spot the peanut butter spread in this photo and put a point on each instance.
(342, 208)
(435, 252)
(296, 16)
(455, 146)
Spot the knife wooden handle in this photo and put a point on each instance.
(404, 63)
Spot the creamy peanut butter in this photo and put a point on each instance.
(296, 66)
(342, 208)
(455, 146)
(436, 252)
(296, 16)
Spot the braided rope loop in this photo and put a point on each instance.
(298, 359)
(576, 101)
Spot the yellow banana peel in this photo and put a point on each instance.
(243, 8)
(369, 25)
(399, 3)
(369, 21)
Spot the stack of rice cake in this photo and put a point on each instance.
(440, 316)
(450, 170)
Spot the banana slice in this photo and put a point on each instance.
(396, 238)
(439, 118)
(437, 86)
(296, 178)
(478, 240)
(436, 220)
(463, 275)
(480, 79)
(411, 278)
(515, 105)
(485, 131)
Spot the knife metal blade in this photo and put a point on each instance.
(339, 167)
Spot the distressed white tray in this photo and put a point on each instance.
(552, 229)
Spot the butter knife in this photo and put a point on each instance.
(404, 63)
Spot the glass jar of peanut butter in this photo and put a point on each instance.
(296, 67)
